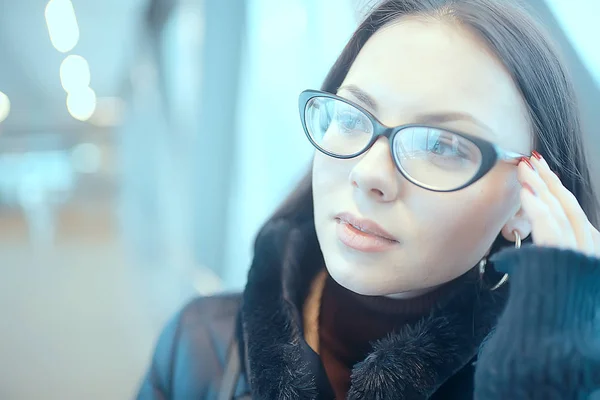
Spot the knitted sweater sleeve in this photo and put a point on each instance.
(547, 341)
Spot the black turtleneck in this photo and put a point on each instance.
(349, 323)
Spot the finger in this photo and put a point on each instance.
(541, 190)
(570, 205)
(545, 229)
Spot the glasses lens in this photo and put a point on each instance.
(337, 127)
(435, 158)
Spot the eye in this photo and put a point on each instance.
(443, 148)
(350, 120)
(446, 144)
(449, 151)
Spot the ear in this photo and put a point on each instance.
(520, 223)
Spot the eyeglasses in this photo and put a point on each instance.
(433, 158)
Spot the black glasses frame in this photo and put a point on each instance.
(490, 152)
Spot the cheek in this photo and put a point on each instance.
(469, 220)
(329, 173)
(323, 179)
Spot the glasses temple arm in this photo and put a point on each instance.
(509, 156)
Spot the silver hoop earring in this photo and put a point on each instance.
(483, 263)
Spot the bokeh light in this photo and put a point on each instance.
(82, 103)
(4, 107)
(62, 25)
(74, 73)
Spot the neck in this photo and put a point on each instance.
(411, 294)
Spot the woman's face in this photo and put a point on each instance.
(412, 69)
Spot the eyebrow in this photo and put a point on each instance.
(441, 117)
(427, 118)
(360, 95)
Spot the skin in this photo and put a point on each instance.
(441, 235)
(411, 69)
(556, 217)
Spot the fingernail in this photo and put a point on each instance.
(536, 155)
(526, 161)
(528, 187)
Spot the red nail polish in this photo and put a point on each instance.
(526, 161)
(528, 187)
(536, 155)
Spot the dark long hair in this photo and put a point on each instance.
(528, 55)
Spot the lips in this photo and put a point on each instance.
(366, 226)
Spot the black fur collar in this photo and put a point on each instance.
(410, 364)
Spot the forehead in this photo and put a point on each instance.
(413, 67)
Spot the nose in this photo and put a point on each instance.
(375, 173)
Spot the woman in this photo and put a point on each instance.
(382, 276)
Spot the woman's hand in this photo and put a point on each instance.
(556, 217)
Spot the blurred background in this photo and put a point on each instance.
(137, 162)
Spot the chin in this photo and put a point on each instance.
(367, 280)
